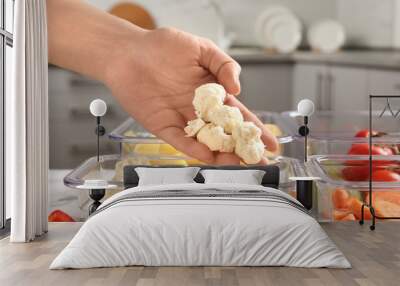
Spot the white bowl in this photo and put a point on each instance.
(278, 28)
(284, 33)
(263, 18)
(326, 36)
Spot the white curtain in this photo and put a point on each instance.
(27, 123)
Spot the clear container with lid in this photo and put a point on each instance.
(344, 185)
(135, 140)
(333, 132)
(110, 169)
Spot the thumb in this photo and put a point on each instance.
(225, 69)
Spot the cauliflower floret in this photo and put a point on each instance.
(194, 126)
(250, 151)
(227, 116)
(216, 140)
(248, 146)
(246, 132)
(217, 121)
(207, 98)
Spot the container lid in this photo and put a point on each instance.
(109, 169)
(130, 131)
(342, 125)
(352, 171)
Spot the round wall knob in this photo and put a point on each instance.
(98, 107)
(305, 107)
(304, 131)
(100, 130)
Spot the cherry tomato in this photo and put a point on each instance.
(360, 173)
(356, 173)
(385, 176)
(363, 149)
(365, 133)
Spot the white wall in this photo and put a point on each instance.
(240, 15)
(371, 23)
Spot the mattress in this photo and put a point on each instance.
(201, 225)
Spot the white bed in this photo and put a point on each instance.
(224, 225)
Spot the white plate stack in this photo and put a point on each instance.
(278, 28)
(326, 36)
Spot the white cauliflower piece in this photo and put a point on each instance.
(250, 151)
(248, 146)
(194, 126)
(207, 98)
(215, 139)
(217, 121)
(227, 117)
(246, 132)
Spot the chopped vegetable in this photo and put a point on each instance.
(60, 216)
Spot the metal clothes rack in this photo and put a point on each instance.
(395, 115)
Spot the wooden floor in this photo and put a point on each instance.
(375, 257)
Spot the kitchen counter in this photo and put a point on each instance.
(363, 58)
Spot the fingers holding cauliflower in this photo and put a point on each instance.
(222, 127)
(194, 126)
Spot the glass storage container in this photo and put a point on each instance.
(333, 132)
(134, 139)
(344, 185)
(110, 168)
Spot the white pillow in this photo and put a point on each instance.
(248, 177)
(166, 176)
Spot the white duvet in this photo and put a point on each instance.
(188, 231)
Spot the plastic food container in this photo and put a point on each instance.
(344, 186)
(134, 139)
(110, 168)
(333, 132)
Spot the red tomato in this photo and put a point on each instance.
(360, 173)
(356, 173)
(363, 149)
(385, 176)
(365, 133)
(60, 216)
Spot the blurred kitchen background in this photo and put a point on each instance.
(335, 52)
(364, 36)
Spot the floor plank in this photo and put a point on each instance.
(375, 257)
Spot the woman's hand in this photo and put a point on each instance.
(154, 80)
(153, 74)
